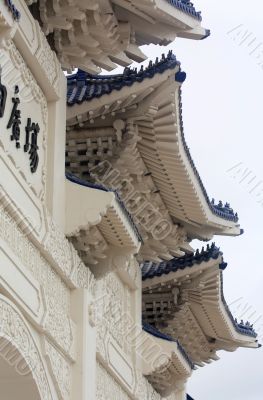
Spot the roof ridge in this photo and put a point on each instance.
(83, 86)
(151, 269)
(186, 6)
(169, 58)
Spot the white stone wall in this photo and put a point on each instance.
(68, 327)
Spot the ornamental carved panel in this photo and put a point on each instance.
(14, 329)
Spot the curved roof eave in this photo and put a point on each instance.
(85, 89)
(170, 269)
(155, 332)
(128, 217)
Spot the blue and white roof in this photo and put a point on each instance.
(197, 280)
(166, 154)
(186, 6)
(83, 86)
(152, 270)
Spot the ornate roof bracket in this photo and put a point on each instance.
(96, 221)
(127, 174)
(103, 34)
(165, 363)
(184, 299)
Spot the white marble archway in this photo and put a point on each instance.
(20, 359)
(16, 379)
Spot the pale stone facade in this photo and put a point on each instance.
(80, 261)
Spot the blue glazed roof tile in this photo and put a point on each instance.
(15, 13)
(155, 332)
(151, 270)
(187, 7)
(83, 86)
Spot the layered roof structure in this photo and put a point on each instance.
(126, 132)
(184, 299)
(149, 150)
(103, 34)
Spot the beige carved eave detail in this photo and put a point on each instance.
(165, 302)
(101, 34)
(101, 111)
(154, 106)
(168, 21)
(162, 149)
(88, 35)
(165, 366)
(207, 305)
(96, 221)
(126, 172)
(185, 327)
(188, 305)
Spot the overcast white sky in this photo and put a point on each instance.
(223, 109)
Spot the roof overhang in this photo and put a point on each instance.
(193, 309)
(165, 152)
(154, 104)
(103, 34)
(164, 364)
(96, 219)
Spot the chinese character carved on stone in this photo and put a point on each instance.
(32, 145)
(15, 120)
